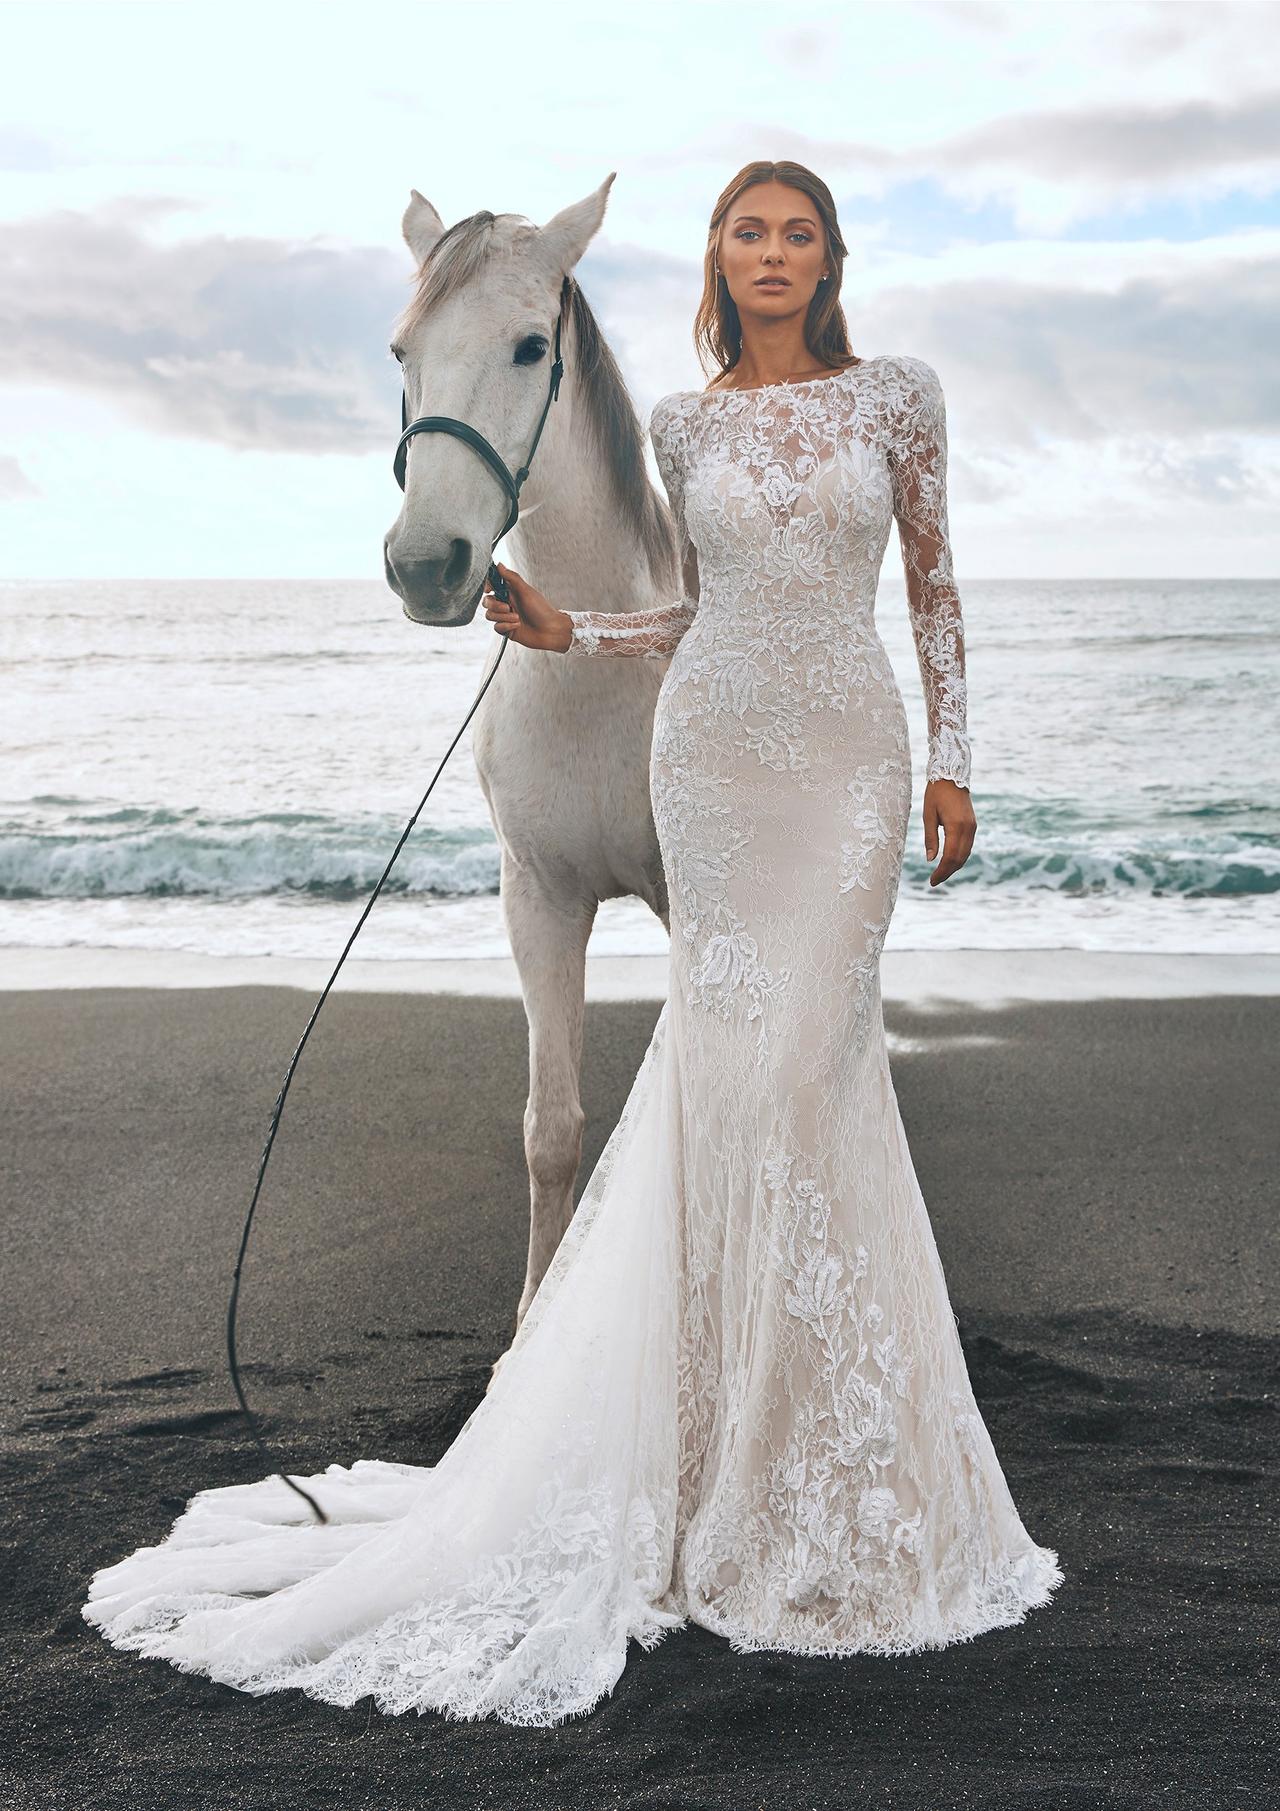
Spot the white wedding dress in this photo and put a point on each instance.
(739, 1397)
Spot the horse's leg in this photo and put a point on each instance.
(549, 942)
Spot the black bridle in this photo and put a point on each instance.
(426, 424)
(462, 430)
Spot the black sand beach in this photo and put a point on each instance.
(1102, 1182)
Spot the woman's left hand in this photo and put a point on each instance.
(950, 806)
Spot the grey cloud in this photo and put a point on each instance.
(249, 342)
(1107, 148)
(1180, 354)
(1182, 141)
(1218, 475)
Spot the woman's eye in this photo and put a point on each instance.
(532, 348)
(804, 237)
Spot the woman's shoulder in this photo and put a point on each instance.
(672, 403)
(915, 377)
(911, 403)
(669, 414)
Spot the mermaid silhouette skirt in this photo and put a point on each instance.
(739, 1397)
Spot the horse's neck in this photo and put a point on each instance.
(571, 541)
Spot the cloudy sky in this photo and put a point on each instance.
(1071, 211)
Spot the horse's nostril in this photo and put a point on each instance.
(459, 563)
(434, 576)
(440, 590)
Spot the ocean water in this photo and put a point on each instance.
(225, 767)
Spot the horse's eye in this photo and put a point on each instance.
(532, 348)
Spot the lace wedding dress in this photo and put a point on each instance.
(739, 1397)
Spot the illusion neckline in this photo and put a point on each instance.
(786, 383)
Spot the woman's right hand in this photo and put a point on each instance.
(529, 618)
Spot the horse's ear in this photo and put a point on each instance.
(421, 227)
(567, 234)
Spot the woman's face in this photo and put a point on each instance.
(772, 231)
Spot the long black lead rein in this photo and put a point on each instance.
(512, 484)
(281, 1097)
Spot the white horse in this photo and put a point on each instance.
(561, 746)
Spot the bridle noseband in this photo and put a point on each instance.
(448, 424)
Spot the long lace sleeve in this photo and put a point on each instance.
(655, 633)
(918, 464)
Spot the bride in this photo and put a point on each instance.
(739, 1397)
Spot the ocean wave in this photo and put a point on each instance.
(162, 854)
(130, 851)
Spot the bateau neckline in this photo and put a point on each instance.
(786, 383)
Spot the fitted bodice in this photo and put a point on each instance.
(782, 498)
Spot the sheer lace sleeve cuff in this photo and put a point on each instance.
(949, 758)
(652, 633)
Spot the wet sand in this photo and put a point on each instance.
(1101, 1176)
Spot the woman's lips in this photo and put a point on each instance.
(773, 283)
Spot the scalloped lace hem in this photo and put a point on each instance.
(1000, 1602)
(360, 1668)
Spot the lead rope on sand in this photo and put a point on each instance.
(284, 1090)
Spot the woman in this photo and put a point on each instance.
(738, 1396)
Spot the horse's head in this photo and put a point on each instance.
(475, 344)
